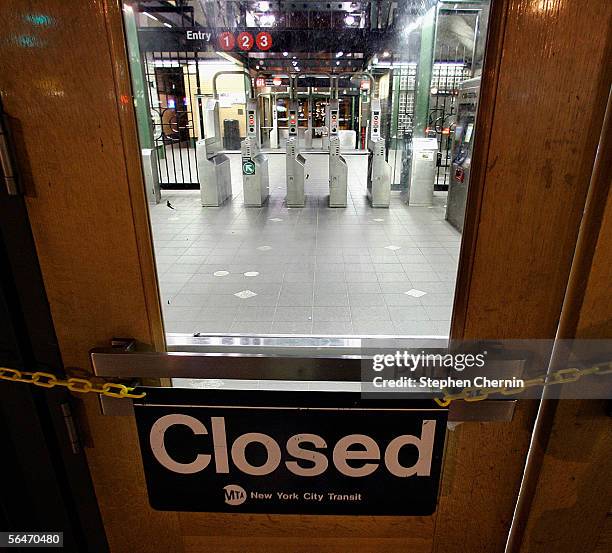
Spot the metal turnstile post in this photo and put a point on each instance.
(296, 175)
(379, 175)
(338, 174)
(295, 162)
(338, 169)
(379, 171)
(255, 179)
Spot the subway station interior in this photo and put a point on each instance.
(306, 163)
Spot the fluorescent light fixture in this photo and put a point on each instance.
(151, 16)
(168, 25)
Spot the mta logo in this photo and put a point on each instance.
(234, 495)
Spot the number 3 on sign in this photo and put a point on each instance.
(245, 41)
(264, 41)
(226, 41)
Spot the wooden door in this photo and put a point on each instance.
(65, 85)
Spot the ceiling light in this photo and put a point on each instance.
(386, 54)
(285, 54)
(168, 25)
(294, 63)
(264, 6)
(151, 16)
(339, 54)
(349, 20)
(267, 20)
(294, 57)
(337, 63)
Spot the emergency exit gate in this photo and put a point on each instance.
(172, 82)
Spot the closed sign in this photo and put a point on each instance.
(285, 452)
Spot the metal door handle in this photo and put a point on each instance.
(118, 362)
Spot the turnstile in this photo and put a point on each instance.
(422, 171)
(379, 171)
(214, 173)
(338, 169)
(149, 170)
(295, 162)
(255, 179)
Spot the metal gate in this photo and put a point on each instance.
(445, 81)
(172, 80)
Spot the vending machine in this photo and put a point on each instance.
(467, 104)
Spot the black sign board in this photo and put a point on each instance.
(264, 39)
(290, 452)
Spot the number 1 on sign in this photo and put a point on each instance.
(226, 41)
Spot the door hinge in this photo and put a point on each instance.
(7, 159)
(73, 435)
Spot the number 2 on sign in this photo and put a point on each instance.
(245, 41)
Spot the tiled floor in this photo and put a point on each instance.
(314, 270)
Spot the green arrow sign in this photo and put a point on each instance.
(248, 167)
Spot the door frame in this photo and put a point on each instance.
(98, 264)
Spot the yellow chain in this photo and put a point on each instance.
(562, 376)
(79, 385)
(472, 394)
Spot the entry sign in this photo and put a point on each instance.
(248, 167)
(289, 452)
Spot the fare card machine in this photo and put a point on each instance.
(379, 171)
(462, 152)
(338, 169)
(213, 168)
(255, 180)
(295, 162)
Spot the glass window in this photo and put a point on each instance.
(306, 163)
